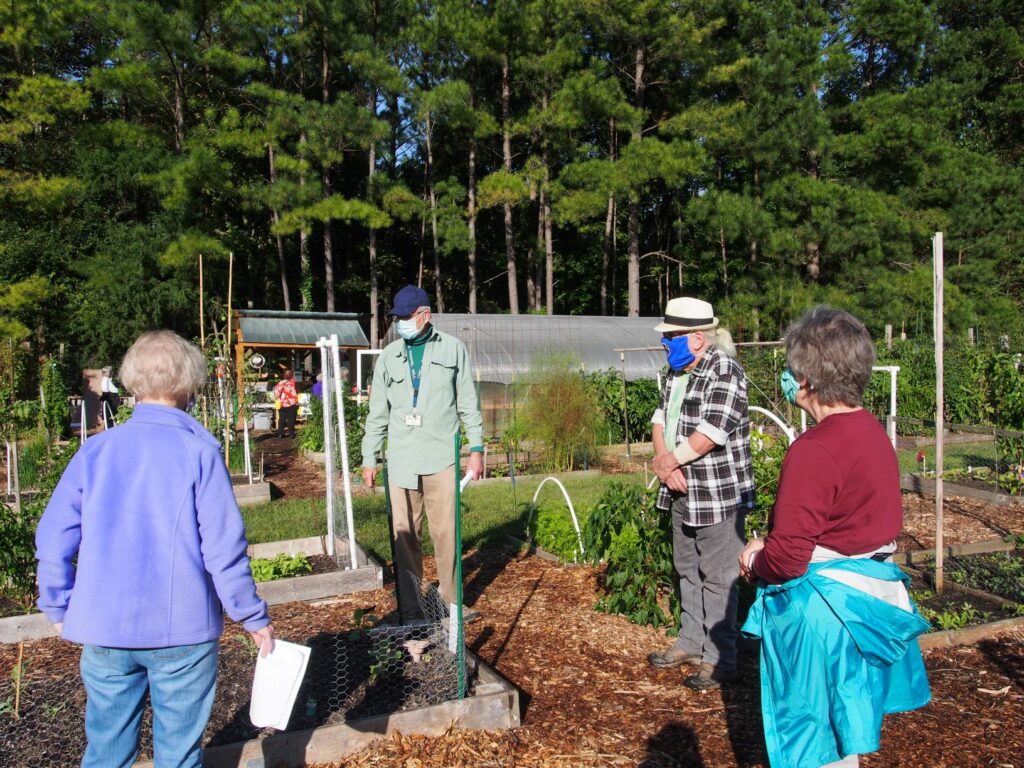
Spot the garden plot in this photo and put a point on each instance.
(360, 680)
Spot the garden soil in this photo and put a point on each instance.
(587, 695)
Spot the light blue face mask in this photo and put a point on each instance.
(407, 329)
(790, 386)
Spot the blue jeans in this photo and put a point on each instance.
(181, 682)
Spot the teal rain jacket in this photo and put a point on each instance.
(834, 659)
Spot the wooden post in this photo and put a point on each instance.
(888, 336)
(937, 257)
(228, 422)
(970, 336)
(202, 326)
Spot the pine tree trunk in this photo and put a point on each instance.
(325, 78)
(506, 146)
(471, 200)
(275, 217)
(633, 234)
(374, 299)
(438, 289)
(471, 215)
(545, 205)
(305, 278)
(607, 249)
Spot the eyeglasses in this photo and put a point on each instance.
(415, 314)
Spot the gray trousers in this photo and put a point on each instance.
(706, 560)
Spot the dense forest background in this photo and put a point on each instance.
(565, 156)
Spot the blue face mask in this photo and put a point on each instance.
(678, 351)
(790, 386)
(407, 329)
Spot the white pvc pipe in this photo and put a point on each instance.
(81, 420)
(8, 467)
(575, 522)
(343, 442)
(325, 371)
(248, 453)
(788, 430)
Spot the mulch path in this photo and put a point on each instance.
(293, 475)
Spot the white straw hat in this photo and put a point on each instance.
(686, 314)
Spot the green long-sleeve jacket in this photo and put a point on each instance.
(447, 395)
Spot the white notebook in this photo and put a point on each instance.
(276, 684)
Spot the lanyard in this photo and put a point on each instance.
(414, 373)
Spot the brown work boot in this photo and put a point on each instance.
(709, 678)
(672, 656)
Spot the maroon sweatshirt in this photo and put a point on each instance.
(839, 488)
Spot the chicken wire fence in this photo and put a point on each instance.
(369, 668)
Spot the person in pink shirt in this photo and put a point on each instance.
(285, 394)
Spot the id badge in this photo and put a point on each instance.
(413, 420)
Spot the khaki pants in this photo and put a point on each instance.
(436, 493)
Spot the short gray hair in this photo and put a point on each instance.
(833, 351)
(161, 364)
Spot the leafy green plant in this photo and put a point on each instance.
(1001, 573)
(552, 530)
(957, 618)
(247, 644)
(641, 398)
(56, 412)
(311, 434)
(17, 531)
(767, 452)
(280, 567)
(635, 541)
(384, 654)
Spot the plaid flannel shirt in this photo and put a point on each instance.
(715, 405)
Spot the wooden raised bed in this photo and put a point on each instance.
(367, 574)
(925, 486)
(494, 705)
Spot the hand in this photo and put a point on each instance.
(676, 481)
(369, 476)
(665, 464)
(476, 465)
(59, 628)
(747, 558)
(264, 639)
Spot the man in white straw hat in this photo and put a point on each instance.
(701, 438)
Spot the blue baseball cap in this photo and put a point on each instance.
(408, 300)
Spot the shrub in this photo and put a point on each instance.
(56, 414)
(635, 540)
(642, 398)
(561, 413)
(17, 531)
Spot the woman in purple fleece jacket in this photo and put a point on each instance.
(148, 510)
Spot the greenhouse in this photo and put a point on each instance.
(503, 347)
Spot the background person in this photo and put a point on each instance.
(701, 437)
(286, 395)
(837, 628)
(422, 389)
(139, 565)
(109, 397)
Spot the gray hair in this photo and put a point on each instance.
(161, 364)
(833, 351)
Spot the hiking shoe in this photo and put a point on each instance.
(709, 678)
(670, 657)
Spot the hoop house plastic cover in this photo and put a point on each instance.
(501, 347)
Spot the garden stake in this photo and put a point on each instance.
(17, 679)
(391, 534)
(460, 630)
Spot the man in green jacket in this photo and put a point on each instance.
(422, 388)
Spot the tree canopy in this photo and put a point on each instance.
(561, 156)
